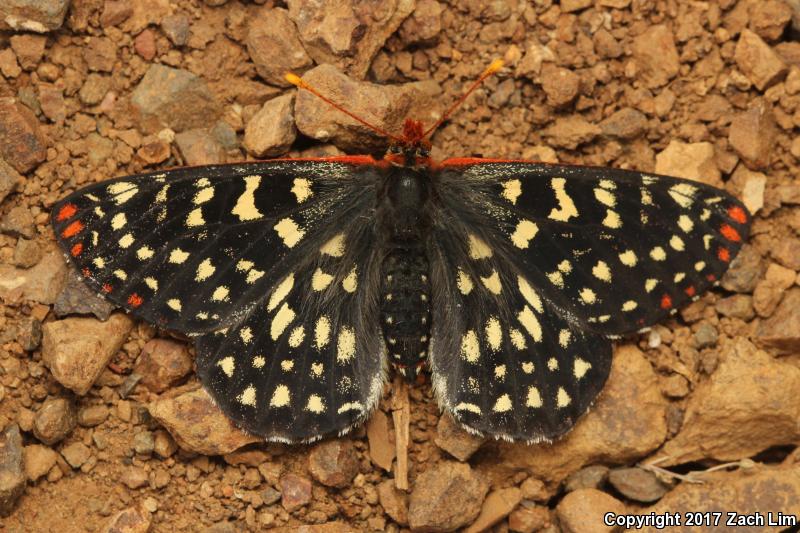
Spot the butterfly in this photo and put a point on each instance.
(301, 281)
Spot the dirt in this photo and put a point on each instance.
(104, 425)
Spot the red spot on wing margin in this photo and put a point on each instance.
(666, 302)
(72, 230)
(724, 255)
(738, 214)
(730, 233)
(66, 212)
(135, 300)
(76, 250)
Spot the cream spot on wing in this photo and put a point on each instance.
(650, 284)
(316, 369)
(556, 279)
(517, 338)
(259, 361)
(244, 265)
(174, 304)
(289, 231)
(605, 197)
(534, 399)
(628, 258)
(246, 335)
(315, 404)
(464, 283)
(203, 195)
(612, 220)
(121, 274)
(152, 283)
(195, 218)
(528, 367)
(280, 292)
(502, 404)
(253, 276)
(287, 365)
(685, 223)
(345, 344)
(227, 365)
(630, 305)
(126, 240)
(161, 197)
(677, 243)
(658, 254)
(647, 198)
(122, 191)
(220, 293)
(477, 248)
(511, 190)
(144, 253)
(302, 189)
(296, 336)
(680, 276)
(205, 270)
(350, 406)
(245, 207)
(334, 247)
(562, 398)
(529, 294)
(492, 283)
(99, 262)
(178, 256)
(281, 397)
(202, 182)
(566, 207)
(350, 282)
(565, 267)
(530, 323)
(699, 266)
(248, 396)
(580, 368)
(524, 232)
(564, 337)
(707, 241)
(100, 213)
(320, 280)
(552, 364)
(281, 321)
(705, 214)
(588, 296)
(602, 272)
(608, 184)
(500, 372)
(470, 347)
(322, 331)
(465, 406)
(494, 334)
(683, 194)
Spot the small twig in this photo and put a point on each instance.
(401, 415)
(692, 477)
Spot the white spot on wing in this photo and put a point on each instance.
(470, 347)
(478, 249)
(566, 208)
(280, 292)
(334, 247)
(281, 397)
(245, 207)
(227, 365)
(281, 321)
(511, 190)
(289, 231)
(345, 345)
(302, 189)
(524, 232)
(503, 404)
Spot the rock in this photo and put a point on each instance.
(12, 476)
(770, 19)
(753, 190)
(693, 161)
(328, 527)
(637, 484)
(706, 335)
(382, 105)
(8, 64)
(569, 6)
(130, 520)
(295, 492)
(28, 49)
(336, 32)
(381, 446)
(271, 131)
(766, 298)
(41, 283)
(22, 143)
(100, 53)
(424, 25)
(762, 66)
(656, 56)
(199, 147)
(787, 253)
(134, 477)
(76, 350)
(393, 501)
(173, 98)
(728, 418)
(746, 491)
(76, 454)
(446, 497)
(455, 440)
(782, 330)
(571, 131)
(39, 16)
(737, 306)
(497, 505)
(582, 511)
(163, 363)
(535, 489)
(38, 461)
(8, 179)
(274, 46)
(627, 422)
(115, 12)
(94, 89)
(752, 135)
(536, 54)
(627, 123)
(197, 424)
(144, 443)
(77, 298)
(176, 28)
(334, 463)
(745, 271)
(590, 477)
(163, 444)
(561, 85)
(26, 253)
(145, 45)
(529, 519)
(54, 420)
(606, 45)
(18, 222)
(92, 416)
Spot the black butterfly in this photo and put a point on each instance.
(300, 279)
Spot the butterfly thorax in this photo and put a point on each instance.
(405, 289)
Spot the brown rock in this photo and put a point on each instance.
(787, 253)
(381, 445)
(197, 424)
(336, 32)
(94, 89)
(334, 463)
(93, 415)
(385, 106)
(627, 123)
(8, 64)
(529, 519)
(130, 520)
(782, 330)
(295, 492)
(275, 47)
(163, 444)
(728, 418)
(569, 6)
(762, 66)
(590, 477)
(18, 222)
(691, 161)
(154, 151)
(40, 16)
(582, 511)
(393, 501)
(561, 85)
(176, 28)
(736, 306)
(455, 440)
(606, 45)
(8, 179)
(770, 18)
(115, 12)
(530, 66)
(424, 24)
(77, 298)
(26, 253)
(29, 49)
(22, 144)
(328, 527)
(656, 56)
(497, 505)
(54, 420)
(76, 350)
(745, 271)
(637, 484)
(145, 45)
(162, 364)
(199, 147)
(627, 423)
(38, 461)
(100, 53)
(445, 498)
(752, 135)
(571, 131)
(51, 100)
(271, 131)
(76, 453)
(745, 491)
(134, 477)
(766, 298)
(12, 476)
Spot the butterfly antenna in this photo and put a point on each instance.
(495, 65)
(300, 84)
